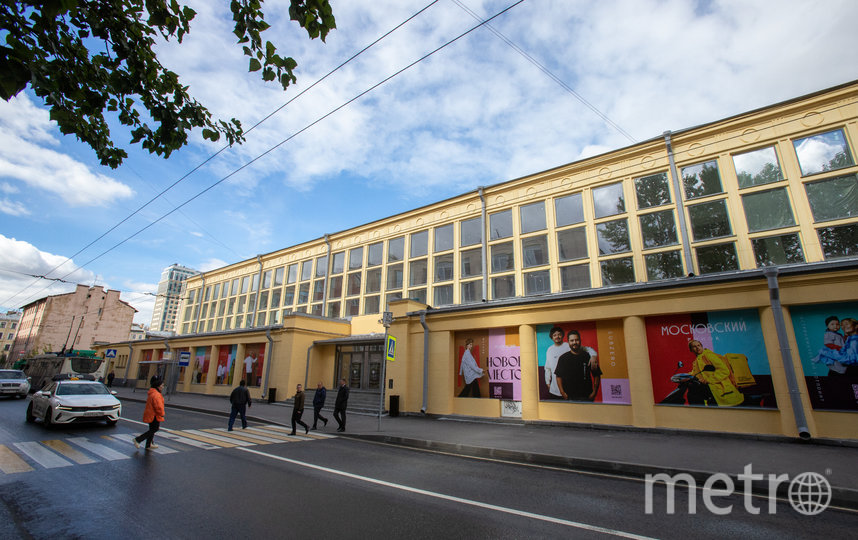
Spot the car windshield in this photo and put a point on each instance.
(12, 374)
(82, 389)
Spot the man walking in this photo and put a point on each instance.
(298, 410)
(240, 401)
(340, 405)
(318, 403)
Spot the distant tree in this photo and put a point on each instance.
(85, 57)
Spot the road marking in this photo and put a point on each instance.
(243, 436)
(129, 438)
(459, 500)
(203, 437)
(65, 449)
(174, 436)
(220, 439)
(98, 449)
(270, 433)
(10, 462)
(41, 455)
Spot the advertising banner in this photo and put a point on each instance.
(488, 364)
(827, 338)
(709, 359)
(583, 361)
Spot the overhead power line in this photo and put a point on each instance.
(548, 72)
(211, 157)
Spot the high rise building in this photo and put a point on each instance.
(169, 296)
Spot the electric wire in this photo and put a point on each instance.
(548, 72)
(222, 149)
(289, 138)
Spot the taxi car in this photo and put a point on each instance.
(74, 400)
(14, 382)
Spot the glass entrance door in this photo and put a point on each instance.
(360, 365)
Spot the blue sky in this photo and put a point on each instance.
(476, 113)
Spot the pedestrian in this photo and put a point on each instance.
(340, 405)
(318, 403)
(110, 377)
(153, 414)
(240, 401)
(298, 410)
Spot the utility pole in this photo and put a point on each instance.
(386, 319)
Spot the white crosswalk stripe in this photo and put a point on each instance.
(41, 455)
(98, 449)
(56, 453)
(129, 438)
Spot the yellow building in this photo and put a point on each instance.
(645, 252)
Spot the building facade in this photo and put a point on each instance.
(722, 245)
(76, 320)
(168, 297)
(8, 328)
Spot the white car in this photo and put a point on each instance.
(68, 401)
(14, 382)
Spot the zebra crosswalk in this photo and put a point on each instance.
(29, 456)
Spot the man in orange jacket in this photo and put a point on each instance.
(153, 414)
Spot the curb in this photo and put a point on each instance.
(840, 497)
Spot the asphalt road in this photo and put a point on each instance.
(93, 483)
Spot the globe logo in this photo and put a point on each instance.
(809, 493)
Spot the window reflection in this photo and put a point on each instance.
(533, 217)
(569, 210)
(701, 180)
(658, 229)
(833, 198)
(500, 225)
(418, 272)
(717, 258)
(709, 220)
(766, 210)
(665, 265)
(758, 167)
(774, 250)
(652, 190)
(617, 271)
(609, 200)
(823, 152)
(575, 277)
(613, 237)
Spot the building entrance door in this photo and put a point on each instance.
(360, 365)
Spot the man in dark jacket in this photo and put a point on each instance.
(318, 403)
(340, 405)
(298, 410)
(240, 400)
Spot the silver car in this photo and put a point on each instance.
(68, 401)
(14, 382)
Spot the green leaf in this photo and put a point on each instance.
(255, 65)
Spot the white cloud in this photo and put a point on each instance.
(139, 295)
(22, 262)
(13, 208)
(24, 131)
(211, 264)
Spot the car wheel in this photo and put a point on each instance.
(49, 414)
(112, 423)
(30, 417)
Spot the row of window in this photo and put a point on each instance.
(765, 197)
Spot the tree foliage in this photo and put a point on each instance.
(88, 58)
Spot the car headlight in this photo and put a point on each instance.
(115, 406)
(63, 408)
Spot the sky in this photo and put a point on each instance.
(551, 82)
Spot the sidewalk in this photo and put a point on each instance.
(633, 453)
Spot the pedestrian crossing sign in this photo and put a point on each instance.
(390, 346)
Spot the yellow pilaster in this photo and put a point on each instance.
(529, 373)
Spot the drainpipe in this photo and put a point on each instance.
(200, 304)
(128, 366)
(307, 369)
(258, 291)
(425, 361)
(325, 283)
(483, 241)
(771, 273)
(268, 363)
(680, 211)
